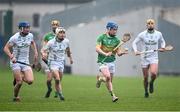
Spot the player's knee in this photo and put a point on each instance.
(30, 82)
(19, 82)
(108, 78)
(146, 78)
(153, 73)
(57, 81)
(49, 80)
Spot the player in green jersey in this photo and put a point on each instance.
(106, 56)
(47, 37)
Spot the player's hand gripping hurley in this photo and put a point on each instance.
(167, 48)
(126, 37)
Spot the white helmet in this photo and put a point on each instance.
(60, 29)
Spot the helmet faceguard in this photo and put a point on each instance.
(60, 29)
(60, 37)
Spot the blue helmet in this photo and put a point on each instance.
(111, 25)
(23, 24)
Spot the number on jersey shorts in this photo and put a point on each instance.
(110, 66)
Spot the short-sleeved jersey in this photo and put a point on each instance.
(107, 44)
(49, 36)
(21, 46)
(149, 41)
(57, 50)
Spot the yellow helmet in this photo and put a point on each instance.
(55, 22)
(150, 21)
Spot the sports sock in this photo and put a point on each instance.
(153, 77)
(146, 87)
(111, 93)
(49, 85)
(59, 93)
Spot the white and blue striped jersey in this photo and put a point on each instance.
(57, 50)
(149, 41)
(21, 46)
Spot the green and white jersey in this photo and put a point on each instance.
(57, 50)
(107, 44)
(49, 36)
(149, 41)
(21, 46)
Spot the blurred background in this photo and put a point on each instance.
(86, 19)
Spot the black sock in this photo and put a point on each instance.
(49, 85)
(146, 87)
(59, 93)
(112, 93)
(153, 77)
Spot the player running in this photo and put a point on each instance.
(106, 57)
(149, 40)
(57, 47)
(47, 37)
(20, 44)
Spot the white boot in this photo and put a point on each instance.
(114, 98)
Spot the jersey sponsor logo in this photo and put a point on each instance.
(151, 43)
(23, 45)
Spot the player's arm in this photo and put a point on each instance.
(121, 52)
(69, 55)
(117, 50)
(33, 46)
(44, 43)
(44, 51)
(7, 50)
(44, 54)
(163, 44)
(98, 48)
(134, 45)
(100, 51)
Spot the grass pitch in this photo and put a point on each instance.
(82, 95)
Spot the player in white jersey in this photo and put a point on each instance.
(20, 44)
(149, 40)
(46, 38)
(57, 48)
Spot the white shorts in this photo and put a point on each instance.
(110, 66)
(45, 66)
(145, 62)
(18, 66)
(56, 65)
